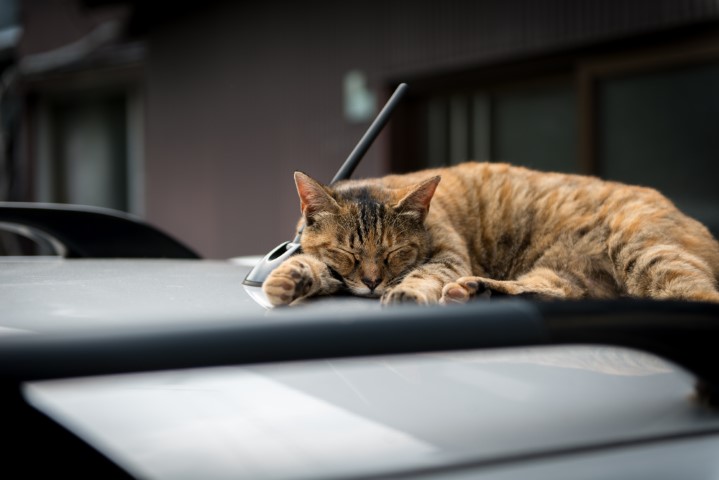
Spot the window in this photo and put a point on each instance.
(647, 117)
(526, 124)
(660, 128)
(89, 150)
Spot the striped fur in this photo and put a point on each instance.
(494, 229)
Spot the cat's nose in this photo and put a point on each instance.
(371, 282)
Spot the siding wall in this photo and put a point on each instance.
(239, 96)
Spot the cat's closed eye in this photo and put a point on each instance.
(341, 260)
(400, 257)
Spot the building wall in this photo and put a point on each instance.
(241, 95)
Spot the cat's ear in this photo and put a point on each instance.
(314, 197)
(416, 201)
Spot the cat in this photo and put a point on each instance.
(447, 235)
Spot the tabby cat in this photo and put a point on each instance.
(494, 229)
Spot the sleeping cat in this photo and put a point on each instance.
(494, 229)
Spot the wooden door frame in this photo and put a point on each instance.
(592, 70)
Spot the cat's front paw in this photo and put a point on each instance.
(290, 281)
(405, 294)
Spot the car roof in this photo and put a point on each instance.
(327, 418)
(45, 294)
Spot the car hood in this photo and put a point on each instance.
(324, 419)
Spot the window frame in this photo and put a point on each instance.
(584, 68)
(593, 70)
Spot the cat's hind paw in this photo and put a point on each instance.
(454, 293)
(467, 288)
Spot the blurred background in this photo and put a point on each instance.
(194, 114)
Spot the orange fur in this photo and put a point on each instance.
(495, 228)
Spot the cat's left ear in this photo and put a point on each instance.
(416, 202)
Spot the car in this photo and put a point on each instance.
(124, 354)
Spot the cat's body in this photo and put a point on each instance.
(499, 229)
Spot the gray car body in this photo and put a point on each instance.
(559, 412)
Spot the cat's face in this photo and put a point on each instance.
(369, 235)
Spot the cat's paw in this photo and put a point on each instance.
(405, 294)
(289, 282)
(466, 288)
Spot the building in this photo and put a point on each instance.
(195, 114)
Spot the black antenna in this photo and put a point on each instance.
(279, 254)
(369, 137)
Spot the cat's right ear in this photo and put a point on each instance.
(315, 200)
(416, 201)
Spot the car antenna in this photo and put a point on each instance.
(282, 252)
